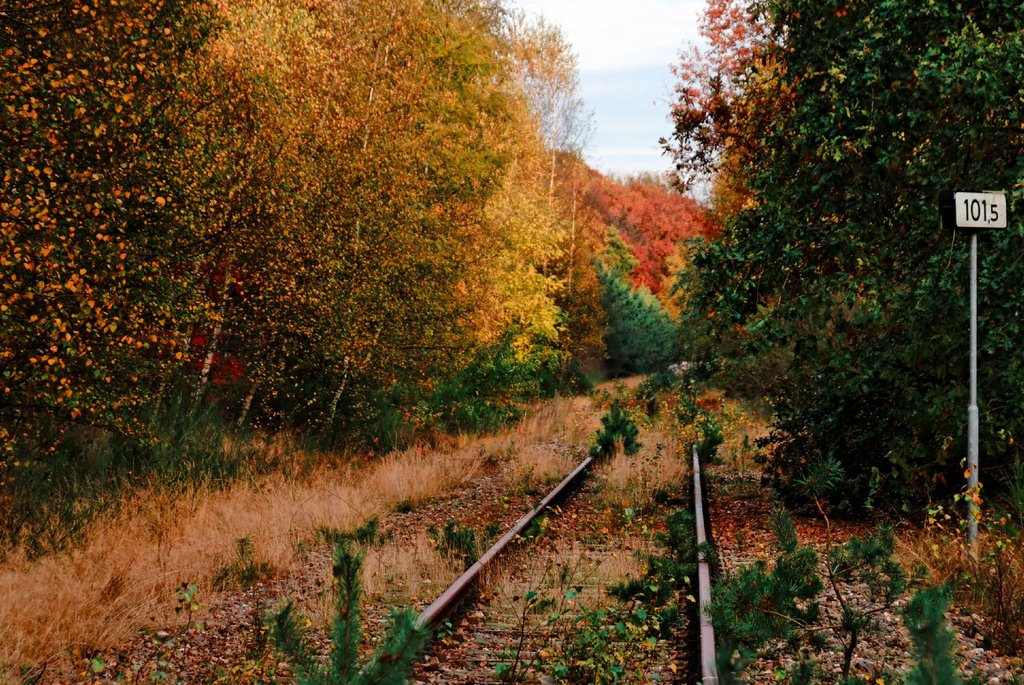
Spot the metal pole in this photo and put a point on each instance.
(972, 409)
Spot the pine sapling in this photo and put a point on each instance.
(389, 666)
(925, 618)
(616, 428)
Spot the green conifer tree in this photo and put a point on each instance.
(616, 427)
(933, 640)
(391, 663)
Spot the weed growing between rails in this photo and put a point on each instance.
(620, 642)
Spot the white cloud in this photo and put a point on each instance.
(625, 48)
(622, 34)
(648, 153)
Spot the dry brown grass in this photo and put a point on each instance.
(631, 481)
(130, 563)
(742, 426)
(621, 564)
(539, 466)
(548, 444)
(992, 585)
(397, 572)
(403, 570)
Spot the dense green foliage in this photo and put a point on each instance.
(843, 125)
(618, 431)
(640, 337)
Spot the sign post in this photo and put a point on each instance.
(973, 212)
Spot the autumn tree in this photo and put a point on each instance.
(726, 92)
(281, 209)
(106, 202)
(653, 218)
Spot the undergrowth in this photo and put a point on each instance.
(390, 664)
(51, 501)
(456, 543)
(992, 582)
(244, 571)
(617, 643)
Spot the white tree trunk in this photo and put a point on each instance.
(211, 350)
(247, 403)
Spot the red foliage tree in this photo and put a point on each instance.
(652, 218)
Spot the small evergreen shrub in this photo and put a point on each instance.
(456, 543)
(925, 618)
(765, 603)
(709, 429)
(245, 571)
(393, 660)
(617, 428)
(364, 534)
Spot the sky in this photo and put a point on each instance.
(625, 49)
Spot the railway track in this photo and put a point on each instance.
(514, 615)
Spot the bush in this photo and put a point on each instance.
(993, 584)
(244, 571)
(653, 385)
(488, 393)
(617, 430)
(392, 662)
(456, 543)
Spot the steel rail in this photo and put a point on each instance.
(708, 666)
(440, 606)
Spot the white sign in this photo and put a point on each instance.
(980, 210)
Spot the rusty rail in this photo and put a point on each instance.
(440, 606)
(708, 666)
